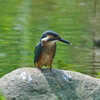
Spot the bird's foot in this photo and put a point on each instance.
(50, 69)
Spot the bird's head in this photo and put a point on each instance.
(52, 37)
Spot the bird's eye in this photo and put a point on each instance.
(58, 37)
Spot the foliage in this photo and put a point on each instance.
(2, 98)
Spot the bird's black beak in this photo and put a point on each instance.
(65, 41)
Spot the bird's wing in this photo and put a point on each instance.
(37, 52)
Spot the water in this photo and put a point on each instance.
(23, 21)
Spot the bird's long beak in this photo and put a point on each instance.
(65, 41)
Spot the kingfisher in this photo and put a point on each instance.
(45, 50)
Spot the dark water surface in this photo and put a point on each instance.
(23, 21)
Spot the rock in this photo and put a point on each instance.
(33, 84)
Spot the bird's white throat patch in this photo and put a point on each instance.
(45, 39)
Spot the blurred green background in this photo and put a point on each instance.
(23, 21)
(2, 97)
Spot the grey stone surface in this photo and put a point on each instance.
(33, 84)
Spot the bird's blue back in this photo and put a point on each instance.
(37, 52)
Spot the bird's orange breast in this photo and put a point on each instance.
(46, 56)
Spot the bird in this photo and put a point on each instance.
(45, 50)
